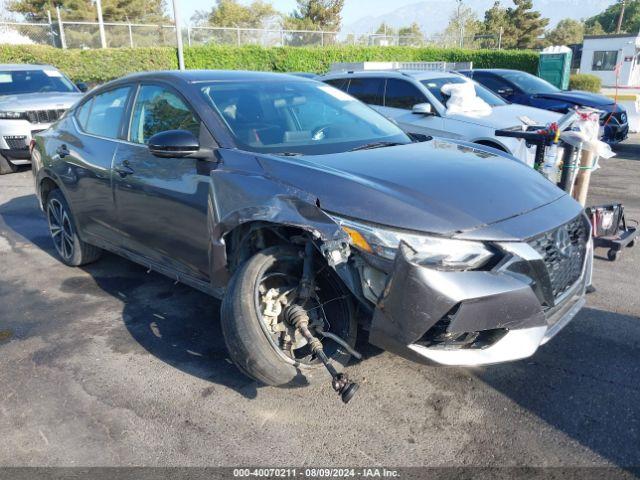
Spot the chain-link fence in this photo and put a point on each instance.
(76, 34)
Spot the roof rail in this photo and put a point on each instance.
(352, 67)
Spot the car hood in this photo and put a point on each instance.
(586, 99)
(39, 101)
(506, 116)
(439, 186)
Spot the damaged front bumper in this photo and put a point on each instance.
(470, 318)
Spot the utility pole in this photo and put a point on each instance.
(621, 16)
(176, 17)
(103, 40)
(460, 24)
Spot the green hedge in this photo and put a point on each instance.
(105, 64)
(584, 81)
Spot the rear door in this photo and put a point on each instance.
(162, 202)
(399, 99)
(87, 150)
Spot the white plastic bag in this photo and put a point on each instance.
(585, 131)
(463, 100)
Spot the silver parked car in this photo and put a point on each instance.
(32, 97)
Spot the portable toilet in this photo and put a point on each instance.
(554, 66)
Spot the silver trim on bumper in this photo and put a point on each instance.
(519, 343)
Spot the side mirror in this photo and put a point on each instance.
(422, 109)
(82, 86)
(174, 144)
(505, 92)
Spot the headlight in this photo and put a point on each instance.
(5, 115)
(434, 252)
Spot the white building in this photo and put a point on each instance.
(601, 54)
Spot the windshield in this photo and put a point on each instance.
(33, 81)
(435, 85)
(297, 117)
(529, 83)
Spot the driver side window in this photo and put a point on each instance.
(158, 109)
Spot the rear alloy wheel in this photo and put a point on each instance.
(72, 251)
(260, 340)
(6, 166)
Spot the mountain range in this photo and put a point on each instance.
(433, 15)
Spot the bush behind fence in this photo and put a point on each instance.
(101, 65)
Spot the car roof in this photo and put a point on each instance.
(416, 74)
(494, 70)
(195, 76)
(19, 67)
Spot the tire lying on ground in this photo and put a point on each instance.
(252, 346)
(71, 250)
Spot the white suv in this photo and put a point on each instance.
(414, 100)
(32, 97)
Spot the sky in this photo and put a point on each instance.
(353, 9)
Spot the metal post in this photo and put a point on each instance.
(189, 35)
(282, 37)
(321, 38)
(53, 35)
(63, 41)
(500, 38)
(130, 36)
(176, 18)
(103, 40)
(238, 35)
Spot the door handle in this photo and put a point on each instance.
(62, 151)
(124, 169)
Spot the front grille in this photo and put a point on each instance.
(563, 251)
(616, 118)
(16, 142)
(44, 116)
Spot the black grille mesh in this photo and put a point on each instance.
(16, 142)
(563, 251)
(44, 116)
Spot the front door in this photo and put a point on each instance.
(400, 97)
(162, 202)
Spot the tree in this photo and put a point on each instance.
(463, 26)
(567, 32)
(494, 25)
(316, 15)
(230, 13)
(609, 18)
(525, 25)
(411, 35)
(385, 29)
(519, 27)
(142, 11)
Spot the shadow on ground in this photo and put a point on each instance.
(585, 383)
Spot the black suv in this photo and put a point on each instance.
(309, 213)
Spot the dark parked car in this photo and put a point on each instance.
(526, 89)
(309, 213)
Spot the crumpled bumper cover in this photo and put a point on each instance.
(416, 298)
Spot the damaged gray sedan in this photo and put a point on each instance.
(315, 219)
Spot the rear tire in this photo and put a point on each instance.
(62, 227)
(250, 346)
(6, 166)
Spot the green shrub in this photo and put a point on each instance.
(100, 65)
(584, 81)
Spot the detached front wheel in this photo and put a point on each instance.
(259, 339)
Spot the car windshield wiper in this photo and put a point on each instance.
(288, 154)
(369, 146)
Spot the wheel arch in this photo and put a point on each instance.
(492, 144)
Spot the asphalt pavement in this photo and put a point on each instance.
(109, 365)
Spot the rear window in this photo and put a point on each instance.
(341, 83)
(367, 90)
(34, 81)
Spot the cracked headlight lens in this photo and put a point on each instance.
(434, 252)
